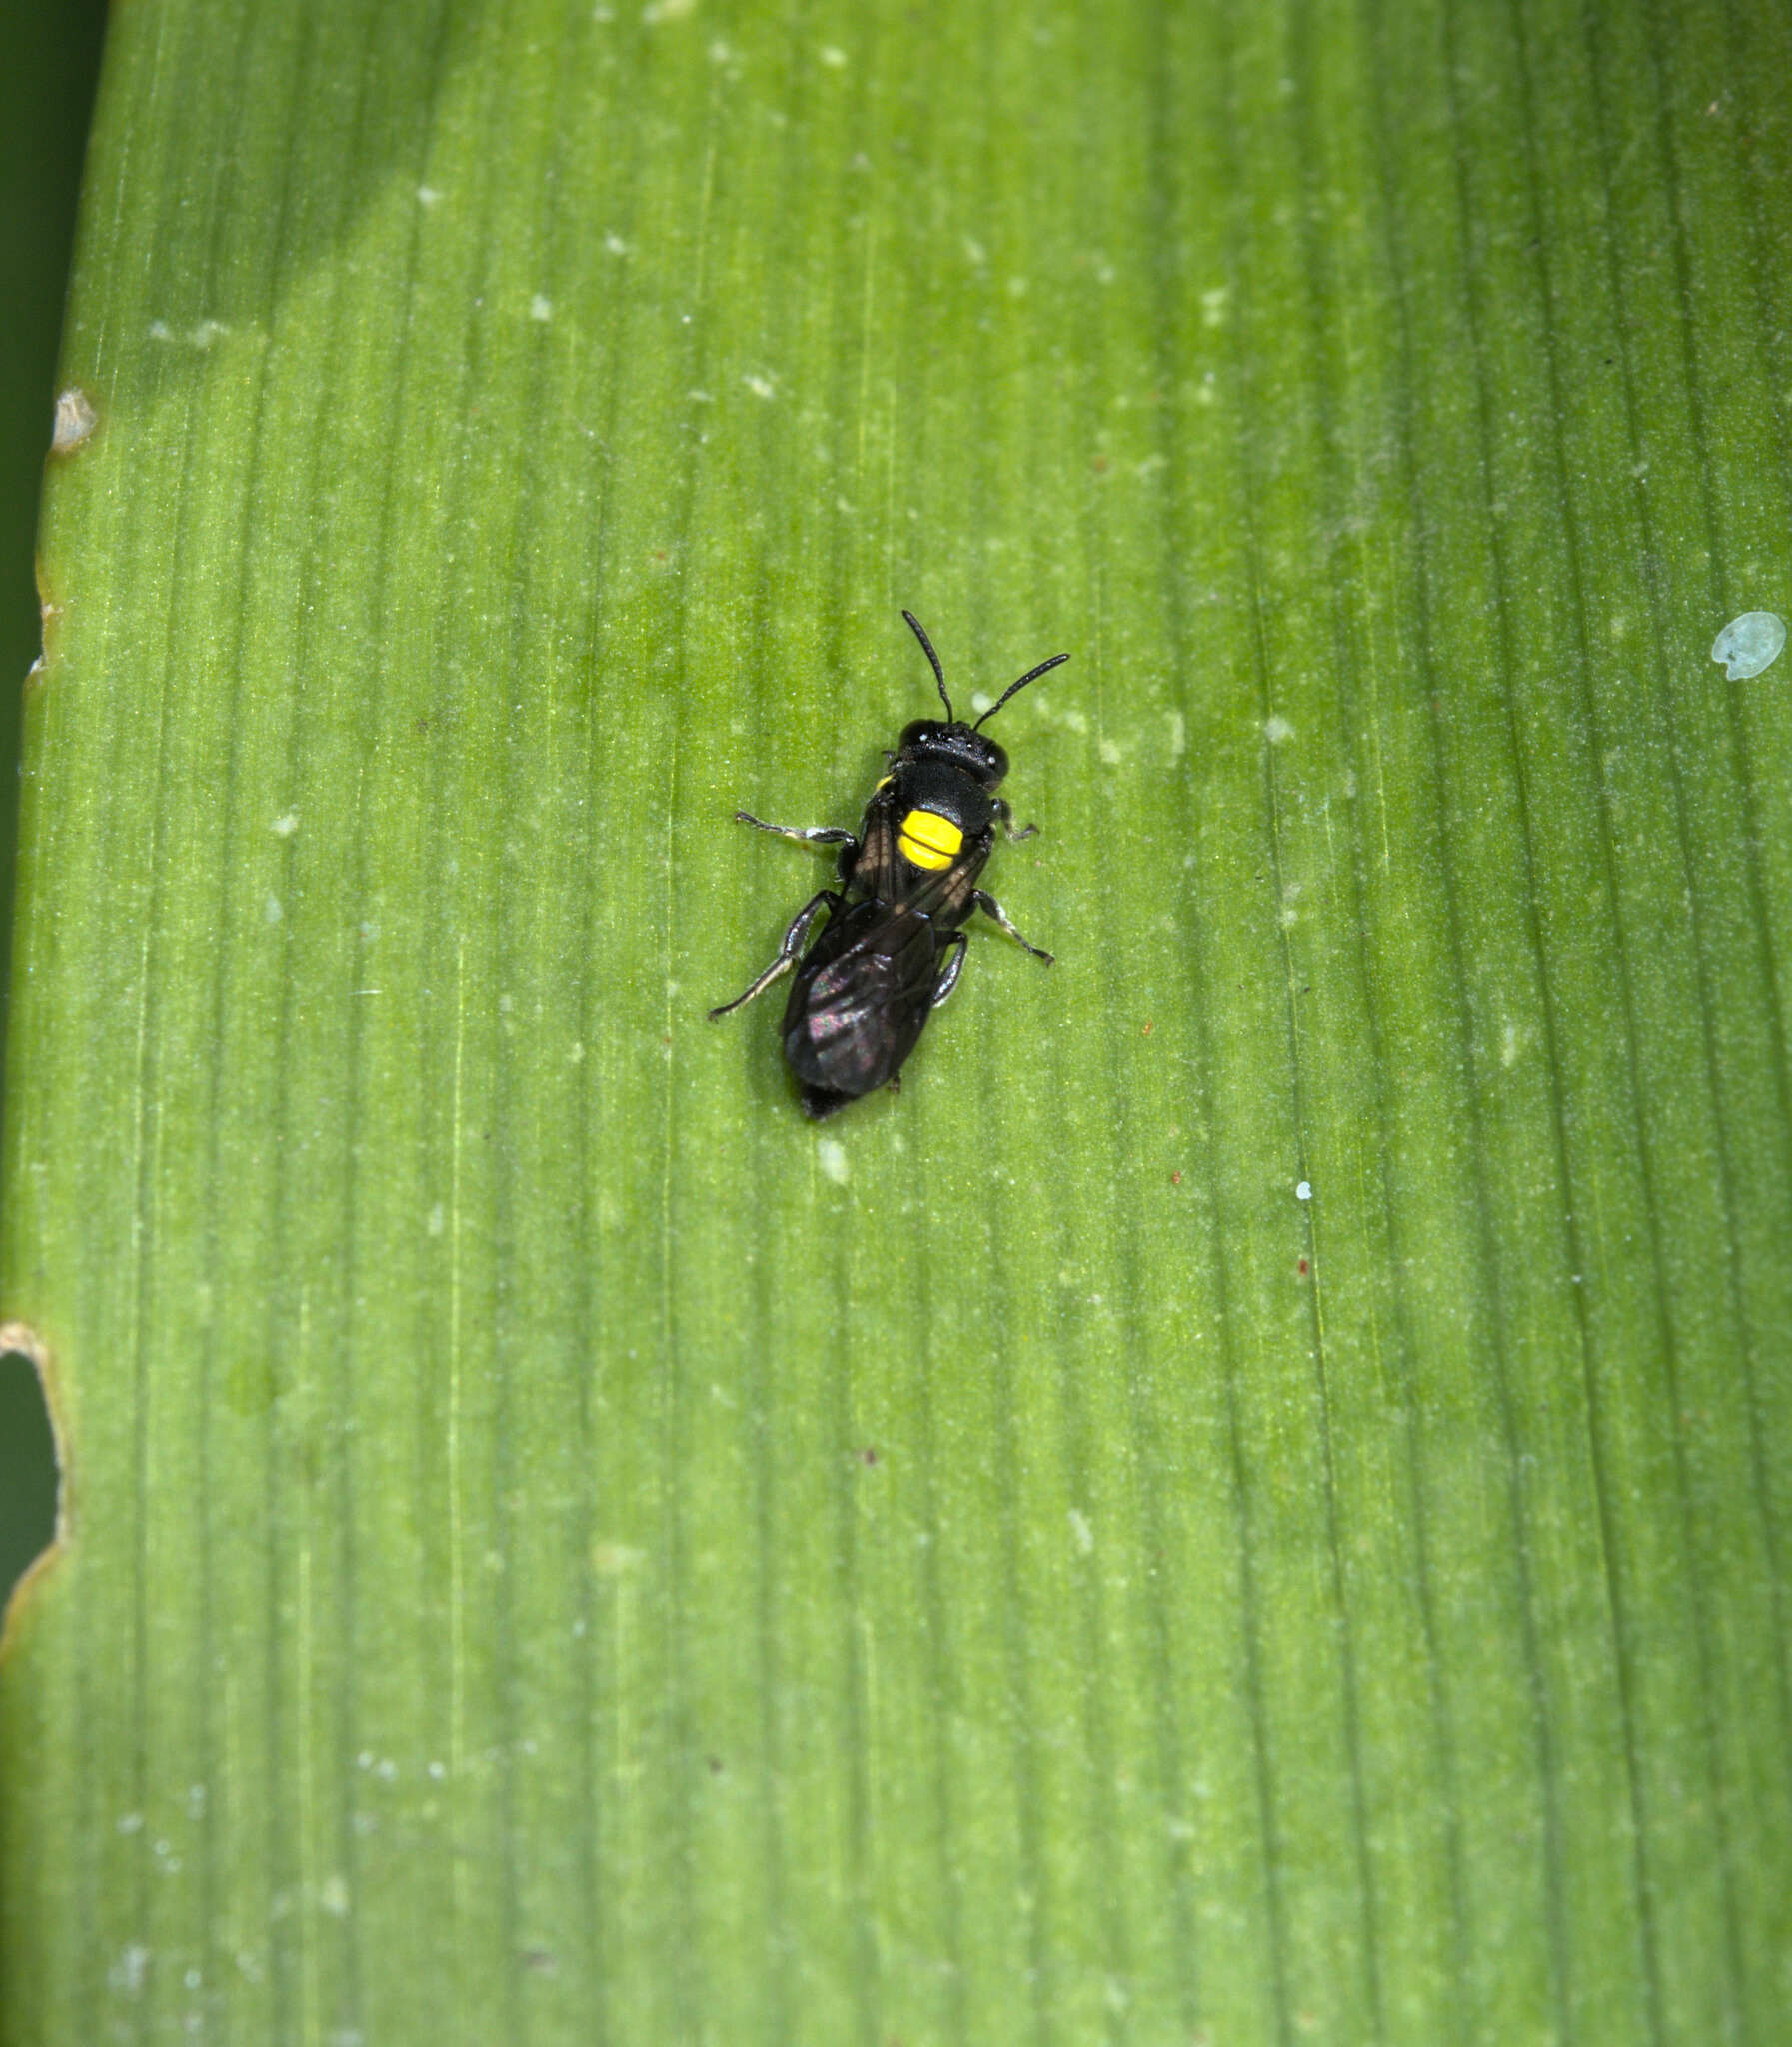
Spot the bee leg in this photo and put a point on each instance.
(990, 908)
(949, 979)
(1006, 816)
(807, 834)
(787, 954)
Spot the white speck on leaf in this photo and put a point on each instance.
(1304, 1191)
(1278, 729)
(540, 307)
(830, 1157)
(128, 1972)
(75, 419)
(1749, 644)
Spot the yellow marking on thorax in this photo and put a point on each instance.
(929, 839)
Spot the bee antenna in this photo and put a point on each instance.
(921, 633)
(1032, 674)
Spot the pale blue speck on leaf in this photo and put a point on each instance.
(1749, 645)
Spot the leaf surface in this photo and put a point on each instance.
(1250, 1502)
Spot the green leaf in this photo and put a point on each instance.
(1251, 1503)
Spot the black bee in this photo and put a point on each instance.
(891, 948)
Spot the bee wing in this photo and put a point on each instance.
(862, 999)
(946, 894)
(878, 867)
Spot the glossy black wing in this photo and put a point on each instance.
(879, 869)
(859, 1001)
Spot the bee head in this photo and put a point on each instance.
(929, 739)
(954, 740)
